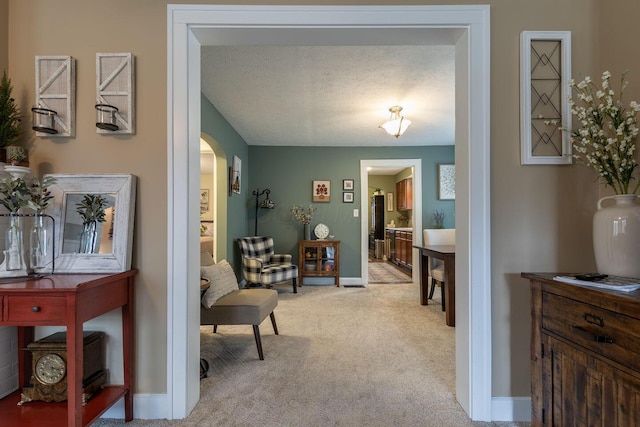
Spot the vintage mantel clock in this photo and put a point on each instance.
(49, 368)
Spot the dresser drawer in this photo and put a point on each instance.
(34, 309)
(610, 334)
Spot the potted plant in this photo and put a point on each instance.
(91, 209)
(10, 117)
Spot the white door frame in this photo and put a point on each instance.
(189, 27)
(416, 213)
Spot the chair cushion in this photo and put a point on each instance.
(222, 280)
(278, 273)
(241, 307)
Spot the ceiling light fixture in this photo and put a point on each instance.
(397, 124)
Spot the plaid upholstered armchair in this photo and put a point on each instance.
(262, 267)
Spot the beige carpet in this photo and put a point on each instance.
(344, 357)
(383, 272)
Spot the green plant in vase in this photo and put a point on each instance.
(10, 116)
(91, 209)
(40, 198)
(14, 195)
(438, 218)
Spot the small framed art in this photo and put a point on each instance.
(446, 182)
(236, 175)
(390, 202)
(347, 184)
(347, 197)
(321, 191)
(204, 200)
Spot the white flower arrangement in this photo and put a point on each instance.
(606, 137)
(301, 216)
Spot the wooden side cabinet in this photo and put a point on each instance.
(67, 300)
(585, 355)
(319, 258)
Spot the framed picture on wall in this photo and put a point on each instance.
(204, 200)
(446, 182)
(347, 184)
(390, 202)
(321, 191)
(236, 175)
(347, 197)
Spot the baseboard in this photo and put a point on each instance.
(154, 407)
(511, 409)
(145, 407)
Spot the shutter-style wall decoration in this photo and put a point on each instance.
(56, 90)
(544, 94)
(115, 87)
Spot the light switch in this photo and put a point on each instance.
(356, 213)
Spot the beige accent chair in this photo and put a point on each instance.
(240, 307)
(438, 236)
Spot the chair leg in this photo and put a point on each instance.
(215, 328)
(442, 295)
(295, 285)
(433, 288)
(273, 322)
(256, 334)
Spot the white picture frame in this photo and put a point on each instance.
(545, 70)
(121, 188)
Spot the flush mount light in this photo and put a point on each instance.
(397, 124)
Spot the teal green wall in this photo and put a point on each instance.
(219, 129)
(288, 173)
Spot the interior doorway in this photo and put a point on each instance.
(190, 27)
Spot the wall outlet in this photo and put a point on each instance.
(356, 212)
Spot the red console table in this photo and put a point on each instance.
(67, 300)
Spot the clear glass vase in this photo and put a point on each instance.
(88, 238)
(14, 249)
(38, 243)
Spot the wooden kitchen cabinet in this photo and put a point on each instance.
(403, 243)
(585, 354)
(404, 194)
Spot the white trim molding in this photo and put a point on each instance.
(191, 26)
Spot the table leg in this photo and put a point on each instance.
(127, 350)
(450, 288)
(75, 359)
(25, 337)
(424, 279)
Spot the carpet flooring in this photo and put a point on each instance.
(383, 272)
(348, 357)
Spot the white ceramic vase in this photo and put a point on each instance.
(616, 236)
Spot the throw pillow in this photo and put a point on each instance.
(222, 280)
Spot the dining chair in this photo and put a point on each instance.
(438, 236)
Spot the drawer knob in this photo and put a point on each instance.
(35, 309)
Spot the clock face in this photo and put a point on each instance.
(50, 369)
(321, 231)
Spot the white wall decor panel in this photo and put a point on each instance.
(56, 90)
(115, 86)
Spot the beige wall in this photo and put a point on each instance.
(4, 35)
(541, 215)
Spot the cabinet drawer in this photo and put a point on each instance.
(35, 309)
(613, 335)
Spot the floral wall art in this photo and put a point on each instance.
(321, 191)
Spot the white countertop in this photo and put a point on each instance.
(400, 228)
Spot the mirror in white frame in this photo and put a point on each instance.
(107, 202)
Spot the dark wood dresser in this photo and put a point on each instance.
(585, 354)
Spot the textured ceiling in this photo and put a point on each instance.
(332, 95)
